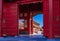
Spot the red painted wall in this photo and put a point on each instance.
(0, 16)
(10, 16)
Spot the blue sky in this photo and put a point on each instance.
(39, 19)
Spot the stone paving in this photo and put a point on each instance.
(28, 38)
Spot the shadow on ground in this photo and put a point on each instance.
(28, 38)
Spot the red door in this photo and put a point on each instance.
(23, 29)
(23, 24)
(0, 16)
(48, 18)
(51, 18)
(56, 15)
(10, 16)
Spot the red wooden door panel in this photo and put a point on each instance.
(59, 17)
(0, 16)
(46, 17)
(24, 19)
(11, 19)
(47, 9)
(51, 18)
(56, 18)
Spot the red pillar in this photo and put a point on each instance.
(30, 23)
(0, 16)
(31, 19)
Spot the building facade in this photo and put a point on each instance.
(10, 11)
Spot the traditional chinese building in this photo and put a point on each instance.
(37, 30)
(13, 10)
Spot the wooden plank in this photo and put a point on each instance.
(0, 16)
(11, 19)
(47, 10)
(56, 16)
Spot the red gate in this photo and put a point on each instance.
(10, 16)
(51, 17)
(0, 17)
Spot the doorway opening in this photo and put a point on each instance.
(22, 25)
(38, 24)
(27, 15)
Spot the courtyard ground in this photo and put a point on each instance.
(28, 38)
